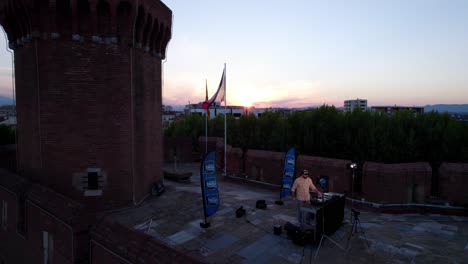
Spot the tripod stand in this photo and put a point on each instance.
(323, 231)
(353, 167)
(354, 228)
(354, 215)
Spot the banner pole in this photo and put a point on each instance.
(225, 122)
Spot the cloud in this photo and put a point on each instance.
(294, 94)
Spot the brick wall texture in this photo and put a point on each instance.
(235, 162)
(115, 243)
(88, 93)
(396, 183)
(73, 228)
(453, 182)
(8, 157)
(212, 141)
(339, 176)
(264, 166)
(179, 146)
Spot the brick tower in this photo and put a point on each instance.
(88, 89)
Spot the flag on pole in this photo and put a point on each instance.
(206, 99)
(220, 94)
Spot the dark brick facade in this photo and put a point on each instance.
(212, 142)
(89, 117)
(235, 162)
(33, 210)
(88, 93)
(336, 170)
(180, 147)
(220, 154)
(8, 157)
(264, 166)
(396, 183)
(453, 182)
(112, 242)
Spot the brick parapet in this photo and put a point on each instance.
(147, 26)
(115, 242)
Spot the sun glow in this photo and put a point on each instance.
(245, 102)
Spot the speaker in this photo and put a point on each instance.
(299, 237)
(261, 204)
(277, 229)
(291, 229)
(240, 212)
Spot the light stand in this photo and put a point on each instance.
(353, 167)
(354, 215)
(323, 230)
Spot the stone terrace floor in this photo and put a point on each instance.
(174, 219)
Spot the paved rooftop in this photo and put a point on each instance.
(174, 219)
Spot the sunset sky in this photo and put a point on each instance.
(302, 53)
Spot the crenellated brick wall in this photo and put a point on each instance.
(396, 183)
(235, 162)
(264, 166)
(335, 170)
(453, 182)
(179, 146)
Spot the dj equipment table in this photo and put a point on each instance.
(333, 209)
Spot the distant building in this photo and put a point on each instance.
(236, 111)
(9, 121)
(217, 109)
(167, 108)
(7, 110)
(349, 105)
(393, 109)
(460, 116)
(282, 111)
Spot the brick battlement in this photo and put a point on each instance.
(146, 26)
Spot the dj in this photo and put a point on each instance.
(300, 191)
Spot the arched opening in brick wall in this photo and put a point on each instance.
(104, 18)
(154, 35)
(10, 34)
(7, 100)
(167, 37)
(6, 70)
(84, 17)
(40, 6)
(63, 16)
(146, 32)
(139, 24)
(42, 3)
(123, 21)
(11, 24)
(157, 43)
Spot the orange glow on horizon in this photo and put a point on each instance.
(246, 103)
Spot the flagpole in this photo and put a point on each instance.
(206, 119)
(225, 113)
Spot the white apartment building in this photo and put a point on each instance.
(217, 109)
(349, 105)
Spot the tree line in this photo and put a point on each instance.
(7, 135)
(327, 132)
